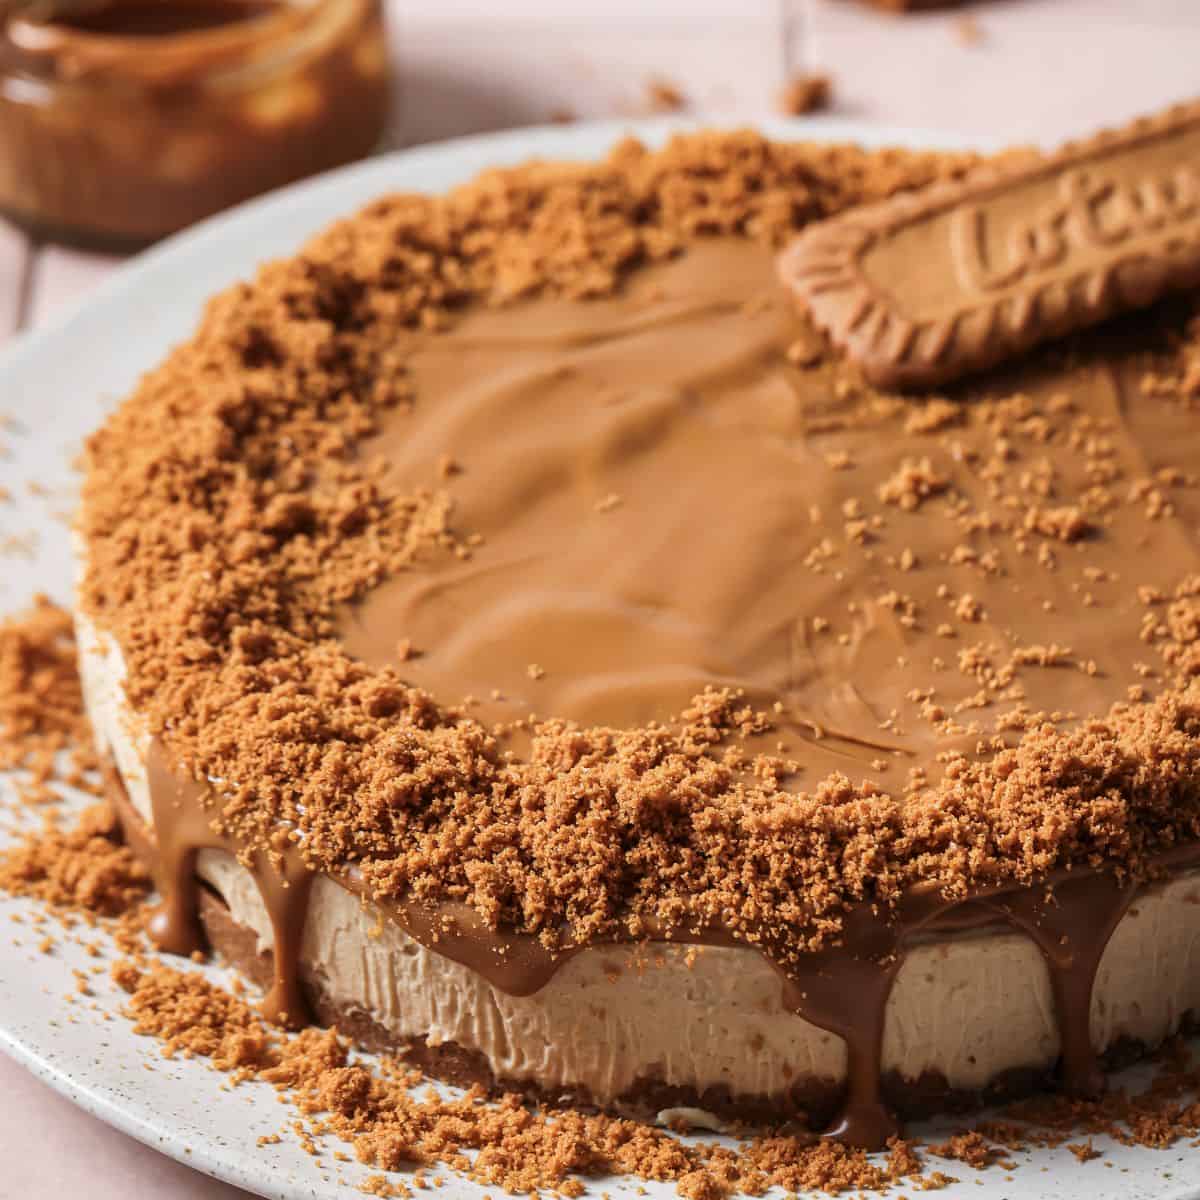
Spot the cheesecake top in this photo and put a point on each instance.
(525, 548)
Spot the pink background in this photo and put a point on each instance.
(1039, 70)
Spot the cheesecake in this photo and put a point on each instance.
(519, 637)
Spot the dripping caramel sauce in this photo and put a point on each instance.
(843, 989)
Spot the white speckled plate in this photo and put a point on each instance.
(54, 387)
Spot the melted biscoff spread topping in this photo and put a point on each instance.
(235, 506)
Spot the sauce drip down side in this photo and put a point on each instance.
(843, 989)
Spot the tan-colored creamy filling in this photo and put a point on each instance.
(968, 1008)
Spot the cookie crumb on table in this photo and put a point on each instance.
(41, 702)
(664, 96)
(805, 94)
(968, 31)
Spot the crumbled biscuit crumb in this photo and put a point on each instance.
(664, 96)
(805, 93)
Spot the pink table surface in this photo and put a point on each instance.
(1035, 70)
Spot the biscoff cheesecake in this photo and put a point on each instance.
(521, 639)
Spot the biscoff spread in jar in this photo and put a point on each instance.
(125, 120)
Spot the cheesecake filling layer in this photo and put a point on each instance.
(966, 1009)
(663, 556)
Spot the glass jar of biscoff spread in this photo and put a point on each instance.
(124, 120)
